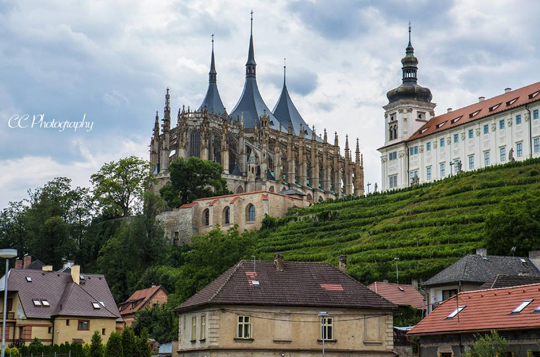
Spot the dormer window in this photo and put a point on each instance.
(534, 95)
(455, 120)
(473, 114)
(424, 130)
(512, 101)
(495, 107)
(441, 124)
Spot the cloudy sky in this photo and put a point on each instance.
(110, 61)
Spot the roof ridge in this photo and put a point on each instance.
(97, 300)
(233, 271)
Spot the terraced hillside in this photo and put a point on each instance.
(427, 227)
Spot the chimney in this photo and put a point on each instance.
(534, 257)
(18, 264)
(506, 90)
(76, 274)
(414, 283)
(278, 262)
(47, 268)
(481, 99)
(343, 263)
(481, 252)
(449, 110)
(27, 261)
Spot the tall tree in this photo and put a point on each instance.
(114, 346)
(128, 342)
(120, 185)
(143, 347)
(191, 179)
(96, 345)
(13, 227)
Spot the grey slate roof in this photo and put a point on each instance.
(506, 281)
(286, 111)
(476, 269)
(299, 284)
(212, 101)
(64, 296)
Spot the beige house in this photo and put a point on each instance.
(247, 210)
(58, 307)
(274, 309)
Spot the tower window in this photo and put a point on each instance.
(227, 215)
(206, 217)
(250, 213)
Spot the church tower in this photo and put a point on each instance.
(409, 104)
(409, 108)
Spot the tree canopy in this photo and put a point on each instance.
(516, 223)
(191, 179)
(118, 185)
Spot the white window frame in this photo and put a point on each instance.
(244, 328)
(327, 329)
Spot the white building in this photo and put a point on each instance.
(422, 147)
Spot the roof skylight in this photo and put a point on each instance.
(512, 101)
(495, 107)
(455, 120)
(472, 115)
(96, 305)
(522, 306)
(534, 95)
(36, 302)
(424, 130)
(455, 312)
(29, 279)
(441, 124)
(45, 302)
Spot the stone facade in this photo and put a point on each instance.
(284, 331)
(247, 210)
(259, 149)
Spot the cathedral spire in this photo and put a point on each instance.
(156, 125)
(284, 72)
(357, 151)
(251, 64)
(212, 101)
(213, 73)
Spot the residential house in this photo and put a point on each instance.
(140, 300)
(264, 308)
(453, 327)
(58, 307)
(472, 271)
(400, 294)
(506, 281)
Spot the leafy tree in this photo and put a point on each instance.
(210, 256)
(114, 346)
(516, 223)
(160, 320)
(13, 227)
(137, 245)
(128, 342)
(96, 345)
(119, 185)
(191, 179)
(143, 347)
(488, 345)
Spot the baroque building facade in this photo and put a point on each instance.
(259, 149)
(421, 147)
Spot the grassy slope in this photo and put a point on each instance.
(428, 227)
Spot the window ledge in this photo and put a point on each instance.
(247, 340)
(202, 340)
(372, 343)
(282, 341)
(326, 341)
(193, 341)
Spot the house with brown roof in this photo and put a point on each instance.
(399, 294)
(513, 312)
(140, 300)
(58, 307)
(281, 308)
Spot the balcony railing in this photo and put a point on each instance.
(10, 315)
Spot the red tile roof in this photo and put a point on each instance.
(479, 110)
(399, 294)
(299, 284)
(138, 300)
(484, 310)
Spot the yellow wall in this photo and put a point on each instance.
(64, 333)
(291, 330)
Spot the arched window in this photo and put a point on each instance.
(239, 189)
(250, 213)
(227, 216)
(395, 131)
(206, 217)
(391, 133)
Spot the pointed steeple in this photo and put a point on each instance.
(251, 105)
(285, 111)
(156, 125)
(251, 65)
(213, 73)
(212, 101)
(357, 151)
